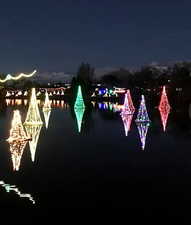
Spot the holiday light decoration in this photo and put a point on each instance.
(33, 131)
(79, 103)
(46, 109)
(10, 77)
(19, 93)
(128, 107)
(142, 115)
(17, 148)
(17, 131)
(33, 114)
(47, 104)
(9, 188)
(79, 112)
(93, 95)
(8, 94)
(17, 140)
(143, 128)
(164, 108)
(127, 119)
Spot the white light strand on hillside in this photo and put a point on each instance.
(10, 77)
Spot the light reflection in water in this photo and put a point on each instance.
(127, 119)
(33, 131)
(143, 128)
(17, 140)
(46, 113)
(9, 188)
(54, 104)
(79, 117)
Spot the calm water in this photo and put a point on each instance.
(100, 166)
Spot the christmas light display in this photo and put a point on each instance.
(17, 140)
(33, 131)
(17, 148)
(17, 131)
(143, 128)
(128, 106)
(142, 115)
(33, 114)
(79, 117)
(8, 94)
(9, 188)
(10, 77)
(127, 119)
(47, 104)
(79, 103)
(164, 108)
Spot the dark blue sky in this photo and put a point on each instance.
(54, 35)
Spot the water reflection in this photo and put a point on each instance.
(17, 140)
(54, 103)
(127, 119)
(47, 110)
(46, 113)
(79, 117)
(143, 128)
(33, 131)
(9, 188)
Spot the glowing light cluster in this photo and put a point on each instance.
(142, 115)
(79, 108)
(9, 188)
(164, 108)
(17, 140)
(79, 103)
(10, 77)
(128, 107)
(33, 114)
(47, 104)
(46, 109)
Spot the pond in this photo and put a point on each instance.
(101, 160)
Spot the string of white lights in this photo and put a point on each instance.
(10, 77)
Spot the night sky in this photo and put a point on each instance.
(58, 35)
